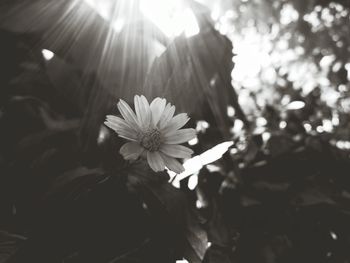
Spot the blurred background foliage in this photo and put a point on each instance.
(266, 83)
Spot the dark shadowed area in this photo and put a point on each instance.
(266, 84)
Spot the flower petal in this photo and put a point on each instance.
(157, 108)
(176, 151)
(176, 123)
(179, 136)
(131, 150)
(143, 111)
(155, 161)
(122, 129)
(118, 122)
(128, 114)
(173, 164)
(167, 115)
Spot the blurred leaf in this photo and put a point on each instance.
(216, 255)
(194, 74)
(251, 152)
(68, 84)
(312, 196)
(169, 209)
(72, 183)
(197, 241)
(9, 243)
(279, 144)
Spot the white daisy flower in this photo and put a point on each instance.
(154, 133)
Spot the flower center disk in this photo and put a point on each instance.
(151, 140)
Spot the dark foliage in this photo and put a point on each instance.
(67, 195)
